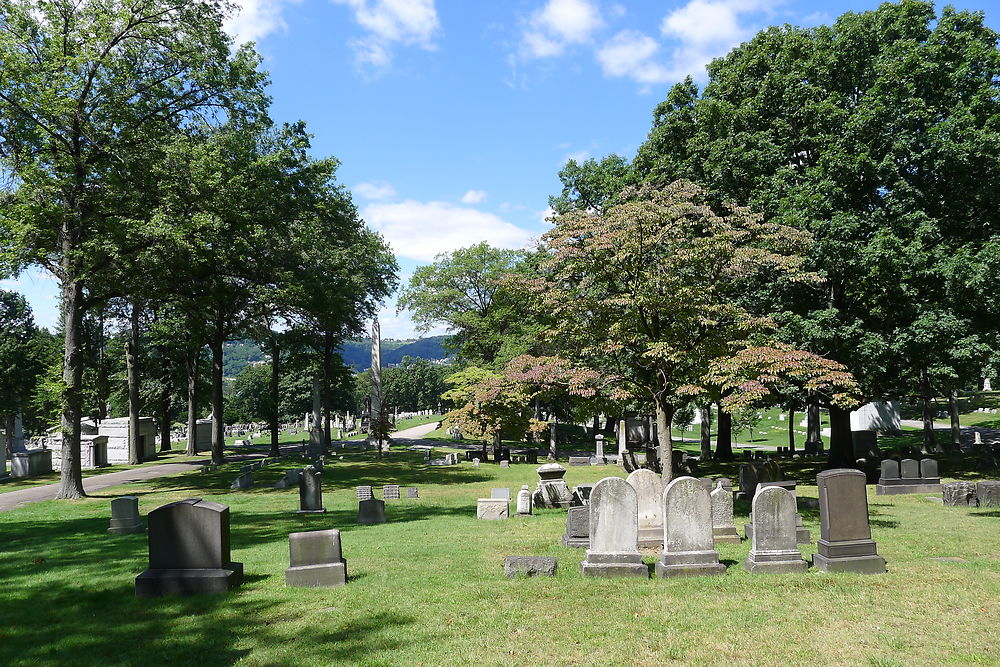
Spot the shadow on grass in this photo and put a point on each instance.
(989, 513)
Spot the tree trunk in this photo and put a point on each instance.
(166, 393)
(956, 422)
(929, 442)
(132, 369)
(791, 431)
(71, 475)
(103, 386)
(724, 436)
(193, 357)
(813, 438)
(218, 426)
(664, 415)
(275, 377)
(841, 444)
(497, 446)
(706, 432)
(327, 392)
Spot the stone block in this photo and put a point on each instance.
(529, 566)
(390, 492)
(959, 494)
(125, 516)
(315, 560)
(579, 460)
(363, 492)
(30, 463)
(412, 492)
(500, 493)
(577, 527)
(371, 511)
(988, 493)
(492, 509)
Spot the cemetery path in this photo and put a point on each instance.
(14, 499)
(415, 432)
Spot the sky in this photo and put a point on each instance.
(452, 118)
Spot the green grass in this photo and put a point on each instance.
(416, 421)
(427, 587)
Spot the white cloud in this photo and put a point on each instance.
(578, 156)
(544, 216)
(391, 22)
(256, 19)
(375, 190)
(558, 24)
(422, 230)
(474, 197)
(630, 54)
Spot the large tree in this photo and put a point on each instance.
(89, 91)
(20, 358)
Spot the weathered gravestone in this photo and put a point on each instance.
(723, 527)
(315, 560)
(125, 516)
(244, 481)
(390, 492)
(802, 535)
(290, 479)
(988, 493)
(500, 493)
(845, 543)
(475, 463)
(504, 463)
(311, 491)
(412, 492)
(581, 494)
(363, 492)
(577, 527)
(529, 566)
(748, 481)
(773, 550)
(552, 490)
(524, 501)
(649, 492)
(491, 509)
(959, 494)
(688, 544)
(579, 460)
(189, 551)
(599, 442)
(614, 532)
(371, 511)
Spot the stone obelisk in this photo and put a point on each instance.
(376, 411)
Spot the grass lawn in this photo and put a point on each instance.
(416, 421)
(427, 587)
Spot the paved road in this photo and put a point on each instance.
(14, 499)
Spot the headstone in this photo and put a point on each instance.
(978, 438)
(909, 471)
(412, 493)
(649, 493)
(707, 483)
(845, 543)
(371, 511)
(390, 492)
(315, 560)
(475, 463)
(802, 535)
(929, 472)
(908, 477)
(189, 551)
(579, 460)
(988, 493)
(311, 491)
(577, 527)
(524, 501)
(125, 516)
(552, 490)
(290, 479)
(688, 543)
(581, 494)
(959, 494)
(529, 566)
(614, 532)
(491, 509)
(723, 527)
(726, 483)
(504, 463)
(748, 481)
(773, 550)
(363, 492)
(500, 493)
(244, 481)
(599, 440)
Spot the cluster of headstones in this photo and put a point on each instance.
(972, 494)
(497, 506)
(371, 510)
(448, 460)
(189, 550)
(987, 411)
(688, 520)
(908, 476)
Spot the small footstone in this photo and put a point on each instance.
(529, 566)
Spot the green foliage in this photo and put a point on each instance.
(591, 185)
(250, 399)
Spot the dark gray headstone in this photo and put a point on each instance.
(371, 511)
(244, 481)
(311, 491)
(189, 551)
(315, 560)
(845, 543)
(865, 443)
(929, 470)
(748, 480)
(577, 527)
(890, 470)
(125, 516)
(909, 469)
(529, 566)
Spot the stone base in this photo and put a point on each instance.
(157, 583)
(121, 527)
(726, 535)
(857, 564)
(326, 575)
(651, 537)
(614, 565)
(689, 564)
(778, 563)
(900, 489)
(322, 511)
(575, 542)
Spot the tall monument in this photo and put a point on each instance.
(376, 411)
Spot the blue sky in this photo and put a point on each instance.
(453, 117)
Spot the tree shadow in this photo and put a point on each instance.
(988, 513)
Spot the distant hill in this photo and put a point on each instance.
(356, 353)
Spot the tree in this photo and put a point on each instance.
(877, 135)
(466, 291)
(250, 399)
(646, 292)
(591, 185)
(88, 91)
(20, 357)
